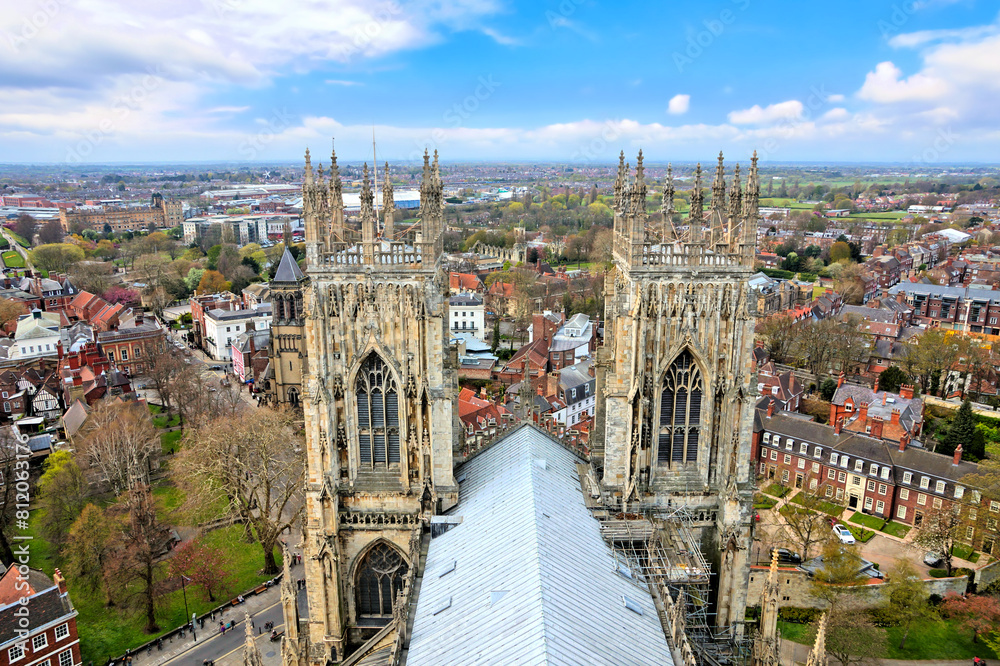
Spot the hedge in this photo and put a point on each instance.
(798, 615)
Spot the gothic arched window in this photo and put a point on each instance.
(380, 578)
(680, 411)
(378, 414)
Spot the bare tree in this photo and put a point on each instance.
(778, 333)
(134, 559)
(162, 371)
(119, 444)
(804, 524)
(255, 463)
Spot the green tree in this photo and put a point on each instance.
(55, 257)
(962, 430)
(907, 598)
(840, 251)
(62, 491)
(827, 389)
(89, 549)
(891, 379)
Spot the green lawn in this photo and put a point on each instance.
(860, 533)
(965, 552)
(763, 502)
(18, 239)
(108, 632)
(821, 505)
(777, 490)
(170, 441)
(4, 243)
(896, 529)
(928, 640)
(167, 420)
(12, 259)
(868, 521)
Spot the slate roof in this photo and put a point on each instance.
(911, 410)
(533, 583)
(288, 270)
(46, 607)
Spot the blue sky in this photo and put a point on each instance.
(913, 81)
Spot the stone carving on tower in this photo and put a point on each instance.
(767, 643)
(817, 656)
(380, 394)
(251, 653)
(292, 653)
(675, 412)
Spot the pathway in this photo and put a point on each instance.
(796, 653)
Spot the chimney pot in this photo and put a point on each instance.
(838, 426)
(903, 441)
(770, 408)
(958, 455)
(840, 380)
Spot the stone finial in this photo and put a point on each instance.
(619, 192)
(735, 198)
(388, 206)
(697, 213)
(308, 179)
(817, 656)
(251, 653)
(639, 188)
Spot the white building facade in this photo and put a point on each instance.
(223, 327)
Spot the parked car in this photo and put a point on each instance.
(933, 559)
(216, 367)
(843, 534)
(786, 556)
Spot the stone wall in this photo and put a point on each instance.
(796, 588)
(988, 574)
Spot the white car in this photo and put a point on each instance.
(843, 534)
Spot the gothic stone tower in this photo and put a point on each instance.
(379, 406)
(288, 335)
(678, 396)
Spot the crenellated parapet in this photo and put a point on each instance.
(332, 246)
(724, 239)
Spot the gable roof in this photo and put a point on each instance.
(532, 584)
(288, 270)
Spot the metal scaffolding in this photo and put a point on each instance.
(655, 547)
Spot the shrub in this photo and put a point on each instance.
(798, 615)
(936, 599)
(938, 573)
(883, 617)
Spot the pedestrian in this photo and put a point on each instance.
(976, 661)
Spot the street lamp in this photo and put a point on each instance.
(184, 579)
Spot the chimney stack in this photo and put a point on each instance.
(770, 408)
(875, 387)
(838, 426)
(60, 582)
(906, 391)
(958, 456)
(840, 380)
(903, 441)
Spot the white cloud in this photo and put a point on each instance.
(836, 114)
(679, 104)
(835, 98)
(501, 39)
(342, 82)
(757, 115)
(884, 86)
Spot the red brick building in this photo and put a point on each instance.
(895, 481)
(880, 414)
(136, 338)
(52, 637)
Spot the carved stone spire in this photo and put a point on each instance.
(667, 210)
(336, 198)
(639, 188)
(308, 179)
(817, 657)
(251, 653)
(718, 210)
(367, 216)
(697, 214)
(438, 186)
(619, 199)
(767, 643)
(289, 605)
(388, 206)
(310, 213)
(751, 200)
(735, 197)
